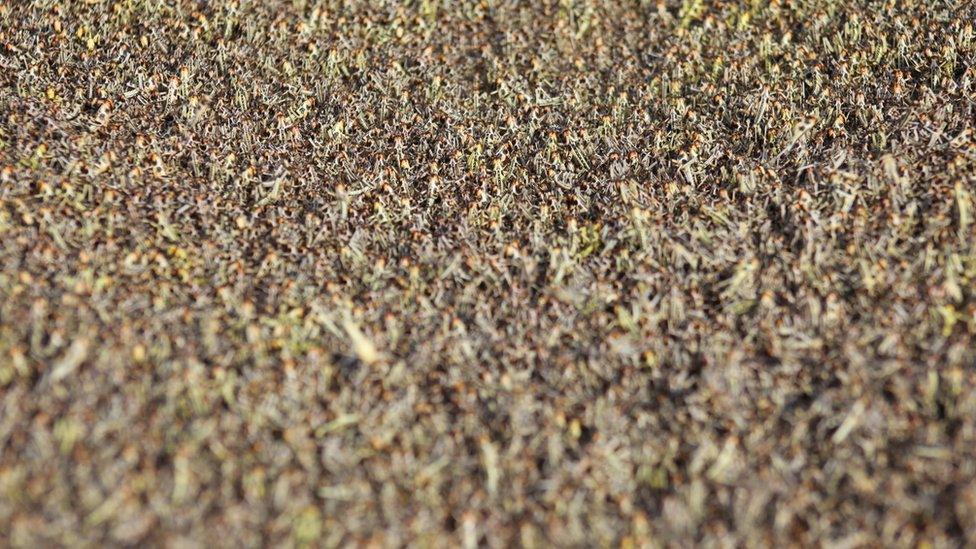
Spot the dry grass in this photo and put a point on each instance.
(438, 273)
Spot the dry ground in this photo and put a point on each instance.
(540, 273)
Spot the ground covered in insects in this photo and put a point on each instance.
(574, 272)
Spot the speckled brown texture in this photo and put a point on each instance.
(570, 273)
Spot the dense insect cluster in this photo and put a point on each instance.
(442, 272)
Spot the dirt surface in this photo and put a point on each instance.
(498, 273)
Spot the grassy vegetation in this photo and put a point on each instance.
(561, 272)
